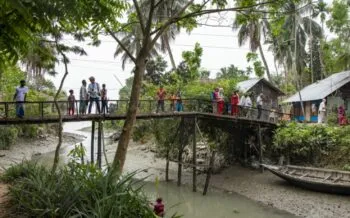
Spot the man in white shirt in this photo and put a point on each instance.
(94, 94)
(84, 98)
(322, 111)
(248, 104)
(20, 97)
(259, 104)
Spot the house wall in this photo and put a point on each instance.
(270, 95)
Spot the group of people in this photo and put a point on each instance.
(176, 103)
(239, 105)
(322, 113)
(88, 96)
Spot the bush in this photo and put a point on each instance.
(77, 190)
(8, 136)
(313, 143)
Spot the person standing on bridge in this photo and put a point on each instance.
(71, 102)
(179, 105)
(221, 101)
(248, 105)
(234, 104)
(20, 97)
(213, 97)
(104, 99)
(94, 94)
(259, 104)
(84, 98)
(161, 93)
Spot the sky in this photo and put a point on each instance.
(220, 49)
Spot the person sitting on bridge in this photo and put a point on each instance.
(94, 93)
(71, 102)
(104, 99)
(20, 97)
(161, 93)
(84, 98)
(234, 104)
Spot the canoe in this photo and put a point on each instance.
(316, 179)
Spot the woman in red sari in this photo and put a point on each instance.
(234, 104)
(341, 116)
(221, 101)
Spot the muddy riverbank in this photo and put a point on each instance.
(27, 149)
(262, 187)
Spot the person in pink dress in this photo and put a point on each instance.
(234, 104)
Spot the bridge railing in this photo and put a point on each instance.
(47, 109)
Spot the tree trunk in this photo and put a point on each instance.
(172, 60)
(265, 63)
(120, 155)
(60, 128)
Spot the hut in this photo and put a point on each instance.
(335, 88)
(260, 85)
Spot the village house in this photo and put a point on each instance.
(335, 88)
(260, 85)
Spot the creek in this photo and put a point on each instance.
(216, 204)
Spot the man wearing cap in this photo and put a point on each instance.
(94, 94)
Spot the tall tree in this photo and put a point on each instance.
(151, 33)
(249, 25)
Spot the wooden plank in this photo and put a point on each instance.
(194, 157)
(329, 176)
(99, 145)
(302, 176)
(92, 141)
(260, 149)
(337, 179)
(207, 180)
(179, 157)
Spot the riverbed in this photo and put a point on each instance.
(235, 192)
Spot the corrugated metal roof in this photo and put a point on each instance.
(322, 88)
(246, 85)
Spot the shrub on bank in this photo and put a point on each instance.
(313, 144)
(77, 190)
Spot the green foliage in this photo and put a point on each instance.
(189, 70)
(22, 170)
(259, 69)
(8, 136)
(231, 72)
(77, 190)
(316, 144)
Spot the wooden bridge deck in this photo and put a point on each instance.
(144, 116)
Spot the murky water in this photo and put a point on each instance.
(216, 204)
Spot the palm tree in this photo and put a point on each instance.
(249, 27)
(133, 42)
(164, 10)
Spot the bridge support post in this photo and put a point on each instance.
(181, 146)
(209, 171)
(194, 156)
(260, 148)
(92, 141)
(99, 144)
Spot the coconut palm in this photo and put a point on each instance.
(133, 41)
(249, 26)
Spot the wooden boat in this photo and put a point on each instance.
(317, 179)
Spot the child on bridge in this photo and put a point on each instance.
(71, 103)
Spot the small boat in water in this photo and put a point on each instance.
(317, 179)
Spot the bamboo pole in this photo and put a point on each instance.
(99, 145)
(179, 172)
(92, 141)
(209, 172)
(260, 149)
(194, 156)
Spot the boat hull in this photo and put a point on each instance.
(311, 185)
